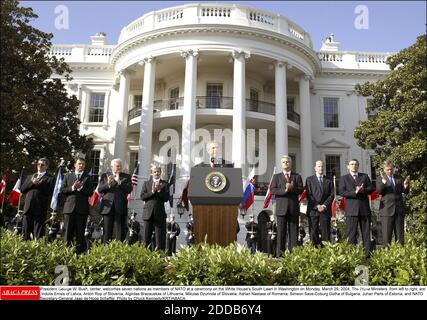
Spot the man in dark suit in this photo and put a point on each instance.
(287, 186)
(214, 161)
(115, 185)
(77, 187)
(392, 213)
(155, 193)
(356, 187)
(320, 194)
(38, 190)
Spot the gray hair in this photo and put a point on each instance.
(155, 166)
(286, 157)
(116, 160)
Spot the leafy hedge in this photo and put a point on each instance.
(32, 262)
(117, 264)
(333, 264)
(397, 265)
(215, 265)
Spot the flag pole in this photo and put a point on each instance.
(21, 176)
(4, 196)
(2, 202)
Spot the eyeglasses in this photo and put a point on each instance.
(41, 164)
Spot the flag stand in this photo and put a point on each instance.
(2, 203)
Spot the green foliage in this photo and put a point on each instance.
(118, 264)
(34, 263)
(333, 264)
(399, 265)
(398, 128)
(38, 117)
(214, 265)
(188, 266)
(31, 262)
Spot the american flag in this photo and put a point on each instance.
(135, 176)
(134, 181)
(269, 195)
(171, 184)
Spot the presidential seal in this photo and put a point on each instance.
(215, 181)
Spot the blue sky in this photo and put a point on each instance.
(393, 25)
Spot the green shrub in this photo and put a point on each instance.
(334, 264)
(205, 264)
(235, 265)
(34, 263)
(399, 265)
(31, 262)
(118, 264)
(188, 266)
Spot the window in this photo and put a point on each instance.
(94, 162)
(96, 107)
(294, 162)
(173, 99)
(333, 166)
(290, 102)
(330, 114)
(371, 113)
(214, 95)
(373, 169)
(133, 161)
(254, 98)
(137, 101)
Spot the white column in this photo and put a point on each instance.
(189, 113)
(146, 124)
(239, 110)
(281, 118)
(120, 146)
(305, 127)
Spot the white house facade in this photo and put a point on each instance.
(184, 75)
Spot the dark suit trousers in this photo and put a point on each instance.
(75, 225)
(320, 224)
(394, 223)
(365, 226)
(114, 223)
(33, 224)
(286, 224)
(159, 228)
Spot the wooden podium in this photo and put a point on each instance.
(215, 194)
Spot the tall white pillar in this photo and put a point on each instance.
(305, 127)
(189, 113)
(281, 123)
(120, 146)
(239, 110)
(146, 124)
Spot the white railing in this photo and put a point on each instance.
(371, 57)
(262, 17)
(60, 51)
(99, 51)
(330, 56)
(209, 13)
(216, 12)
(169, 15)
(83, 53)
(354, 60)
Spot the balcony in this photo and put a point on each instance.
(203, 102)
(215, 14)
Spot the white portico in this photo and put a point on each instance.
(178, 74)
